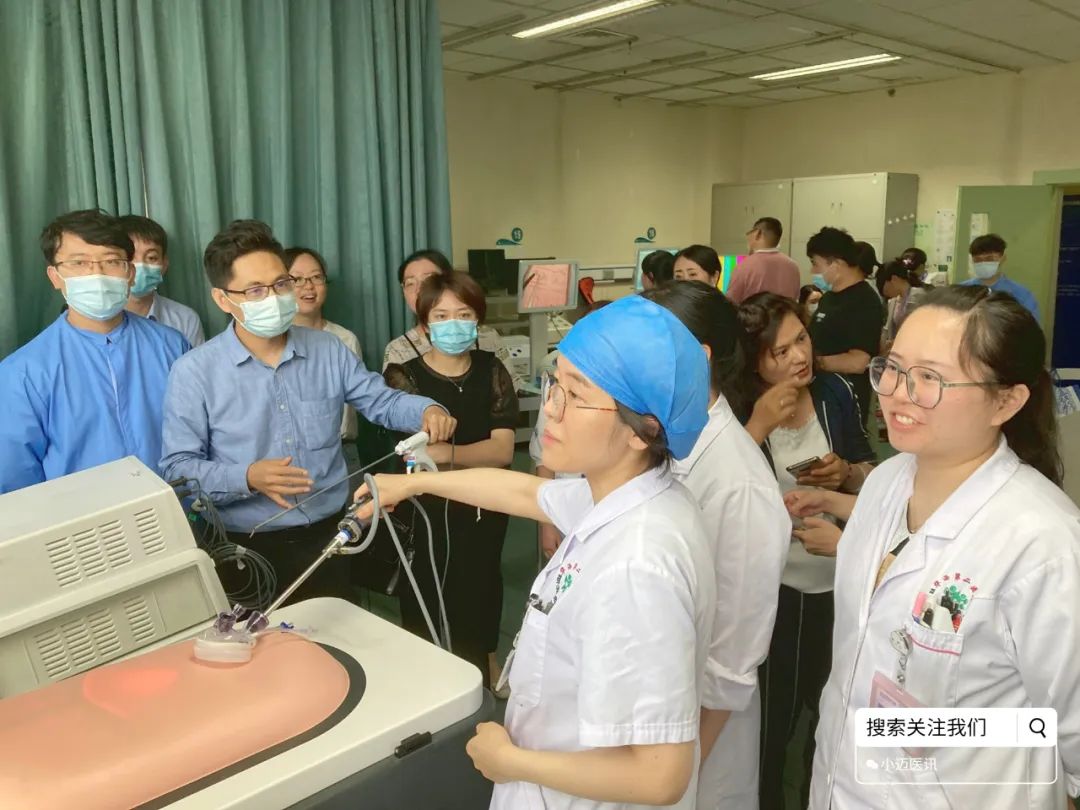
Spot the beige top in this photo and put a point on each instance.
(349, 428)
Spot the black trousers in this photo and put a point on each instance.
(792, 679)
(290, 551)
(473, 590)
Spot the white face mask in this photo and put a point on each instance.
(812, 307)
(986, 270)
(270, 317)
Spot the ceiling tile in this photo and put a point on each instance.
(793, 93)
(631, 86)
(743, 101)
(545, 73)
(765, 32)
(519, 49)
(473, 13)
(684, 94)
(819, 53)
(747, 65)
(735, 7)
(672, 21)
(482, 64)
(733, 86)
(855, 84)
(684, 76)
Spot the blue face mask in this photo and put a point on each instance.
(100, 298)
(453, 337)
(986, 270)
(820, 282)
(270, 317)
(147, 279)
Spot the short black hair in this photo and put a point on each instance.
(436, 257)
(146, 229)
(770, 227)
(243, 236)
(987, 243)
(294, 253)
(461, 284)
(704, 257)
(805, 291)
(92, 225)
(659, 266)
(833, 244)
(914, 257)
(867, 258)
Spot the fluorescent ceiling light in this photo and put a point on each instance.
(828, 67)
(586, 17)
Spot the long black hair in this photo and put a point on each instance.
(714, 321)
(1005, 339)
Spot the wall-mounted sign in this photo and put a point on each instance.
(517, 235)
(648, 238)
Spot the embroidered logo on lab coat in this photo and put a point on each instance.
(567, 576)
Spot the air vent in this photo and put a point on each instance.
(114, 541)
(139, 619)
(64, 563)
(88, 550)
(153, 542)
(80, 644)
(50, 646)
(103, 629)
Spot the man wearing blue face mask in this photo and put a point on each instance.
(987, 259)
(254, 414)
(151, 264)
(90, 388)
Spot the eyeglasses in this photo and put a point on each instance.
(551, 393)
(283, 286)
(924, 385)
(318, 280)
(414, 283)
(85, 267)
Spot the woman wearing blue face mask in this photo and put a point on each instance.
(477, 390)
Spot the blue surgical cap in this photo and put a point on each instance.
(644, 357)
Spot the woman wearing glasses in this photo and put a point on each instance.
(810, 429)
(958, 576)
(477, 391)
(607, 670)
(308, 271)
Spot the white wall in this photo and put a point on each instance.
(582, 174)
(986, 130)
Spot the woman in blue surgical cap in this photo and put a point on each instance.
(607, 670)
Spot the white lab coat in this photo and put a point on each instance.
(749, 534)
(1017, 537)
(619, 658)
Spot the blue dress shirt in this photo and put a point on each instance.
(72, 399)
(182, 318)
(225, 410)
(1017, 291)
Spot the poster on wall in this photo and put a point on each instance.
(944, 237)
(980, 225)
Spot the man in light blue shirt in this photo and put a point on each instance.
(90, 388)
(151, 265)
(987, 257)
(254, 414)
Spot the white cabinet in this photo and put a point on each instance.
(735, 209)
(878, 208)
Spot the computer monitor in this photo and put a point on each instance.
(641, 254)
(487, 267)
(729, 263)
(547, 285)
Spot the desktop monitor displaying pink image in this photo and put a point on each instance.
(547, 286)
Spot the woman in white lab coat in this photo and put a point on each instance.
(607, 672)
(750, 531)
(958, 575)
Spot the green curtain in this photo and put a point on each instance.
(323, 117)
(69, 127)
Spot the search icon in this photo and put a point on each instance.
(1037, 726)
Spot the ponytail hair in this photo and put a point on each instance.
(1001, 336)
(866, 258)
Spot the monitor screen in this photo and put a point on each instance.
(729, 263)
(547, 286)
(641, 254)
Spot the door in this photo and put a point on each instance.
(1027, 218)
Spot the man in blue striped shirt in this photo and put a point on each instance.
(89, 388)
(254, 414)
